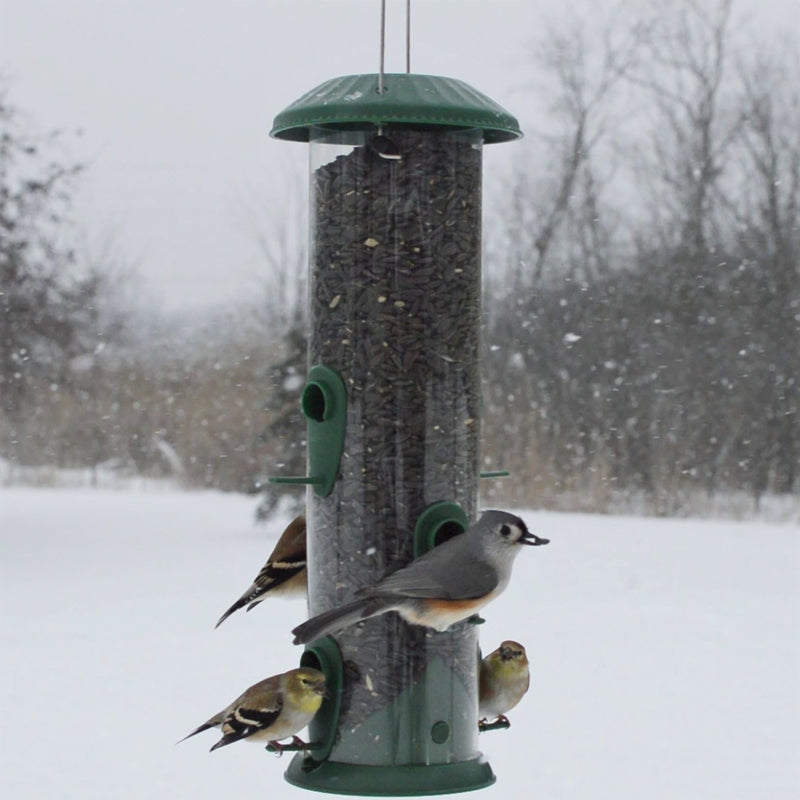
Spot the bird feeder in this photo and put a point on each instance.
(393, 412)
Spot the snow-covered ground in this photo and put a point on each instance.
(666, 654)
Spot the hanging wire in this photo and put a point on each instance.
(383, 43)
(383, 46)
(408, 36)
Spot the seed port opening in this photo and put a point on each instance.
(324, 405)
(438, 523)
(311, 660)
(314, 402)
(447, 530)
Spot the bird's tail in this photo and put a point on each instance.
(226, 739)
(338, 618)
(212, 723)
(242, 601)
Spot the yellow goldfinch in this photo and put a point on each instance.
(272, 709)
(504, 679)
(284, 573)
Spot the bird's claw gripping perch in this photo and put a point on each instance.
(275, 747)
(296, 744)
(501, 723)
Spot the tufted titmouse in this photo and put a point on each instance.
(284, 573)
(444, 586)
(504, 679)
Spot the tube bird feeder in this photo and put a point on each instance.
(393, 412)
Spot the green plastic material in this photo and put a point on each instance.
(437, 523)
(421, 767)
(402, 781)
(417, 732)
(351, 101)
(324, 404)
(497, 725)
(324, 655)
(402, 732)
(296, 480)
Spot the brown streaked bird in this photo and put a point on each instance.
(272, 709)
(283, 575)
(504, 679)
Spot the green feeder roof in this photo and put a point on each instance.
(423, 100)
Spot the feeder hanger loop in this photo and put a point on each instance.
(381, 68)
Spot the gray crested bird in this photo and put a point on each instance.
(272, 709)
(504, 678)
(284, 574)
(447, 584)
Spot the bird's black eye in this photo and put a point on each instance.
(505, 530)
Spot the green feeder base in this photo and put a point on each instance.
(392, 781)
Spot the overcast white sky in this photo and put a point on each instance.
(175, 99)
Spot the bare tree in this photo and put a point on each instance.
(768, 225)
(277, 224)
(46, 296)
(685, 70)
(653, 340)
(558, 218)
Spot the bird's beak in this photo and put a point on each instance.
(532, 539)
(324, 691)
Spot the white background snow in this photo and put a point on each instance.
(666, 653)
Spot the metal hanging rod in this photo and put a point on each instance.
(408, 36)
(383, 43)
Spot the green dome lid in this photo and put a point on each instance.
(425, 100)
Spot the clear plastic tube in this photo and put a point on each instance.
(395, 310)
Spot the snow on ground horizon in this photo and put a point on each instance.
(665, 653)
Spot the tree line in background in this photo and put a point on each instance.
(642, 295)
(650, 267)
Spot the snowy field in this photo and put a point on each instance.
(666, 654)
